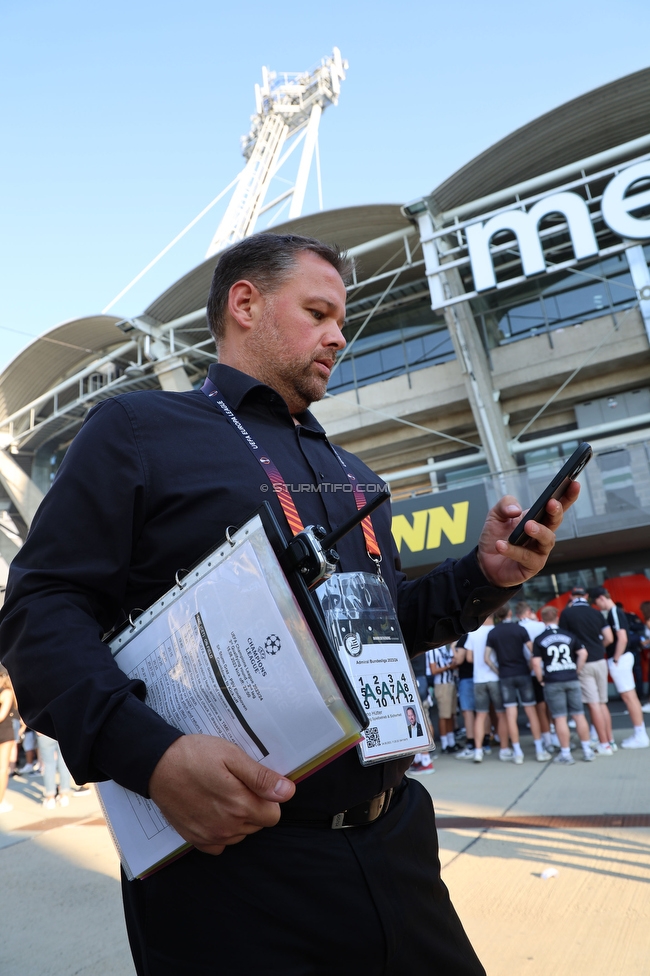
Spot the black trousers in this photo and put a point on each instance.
(306, 901)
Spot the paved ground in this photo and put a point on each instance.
(62, 915)
(60, 895)
(593, 917)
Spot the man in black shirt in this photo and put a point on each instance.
(620, 662)
(558, 658)
(507, 642)
(588, 626)
(152, 480)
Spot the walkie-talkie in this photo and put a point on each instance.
(311, 553)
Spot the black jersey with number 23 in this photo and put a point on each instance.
(558, 651)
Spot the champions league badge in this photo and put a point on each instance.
(272, 644)
(352, 644)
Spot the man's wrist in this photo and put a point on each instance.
(114, 752)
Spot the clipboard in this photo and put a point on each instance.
(309, 605)
(233, 649)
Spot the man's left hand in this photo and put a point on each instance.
(506, 565)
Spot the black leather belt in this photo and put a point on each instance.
(357, 816)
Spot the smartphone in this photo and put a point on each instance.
(569, 472)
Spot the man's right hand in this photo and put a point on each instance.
(213, 794)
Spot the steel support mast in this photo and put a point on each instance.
(288, 105)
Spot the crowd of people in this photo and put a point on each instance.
(552, 667)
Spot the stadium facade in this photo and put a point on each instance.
(492, 325)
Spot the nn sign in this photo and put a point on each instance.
(430, 528)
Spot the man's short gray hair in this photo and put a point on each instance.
(266, 260)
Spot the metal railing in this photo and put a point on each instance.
(615, 490)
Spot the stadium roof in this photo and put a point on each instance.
(592, 123)
(55, 355)
(347, 227)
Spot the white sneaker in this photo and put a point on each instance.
(646, 708)
(478, 755)
(555, 741)
(636, 742)
(466, 753)
(5, 806)
(564, 760)
(49, 803)
(64, 799)
(613, 745)
(571, 723)
(543, 756)
(506, 755)
(588, 755)
(604, 749)
(518, 759)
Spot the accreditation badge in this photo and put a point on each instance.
(361, 618)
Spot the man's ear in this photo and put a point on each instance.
(244, 303)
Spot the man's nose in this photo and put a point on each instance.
(335, 336)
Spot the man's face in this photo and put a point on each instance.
(299, 332)
(410, 714)
(602, 602)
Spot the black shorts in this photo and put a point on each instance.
(539, 691)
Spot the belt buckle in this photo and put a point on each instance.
(377, 806)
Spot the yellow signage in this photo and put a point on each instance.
(430, 528)
(429, 524)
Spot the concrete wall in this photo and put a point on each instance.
(524, 374)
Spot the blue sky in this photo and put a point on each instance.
(121, 121)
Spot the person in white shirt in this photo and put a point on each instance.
(527, 617)
(486, 690)
(620, 662)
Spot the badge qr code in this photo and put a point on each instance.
(372, 737)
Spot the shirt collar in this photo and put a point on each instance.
(236, 387)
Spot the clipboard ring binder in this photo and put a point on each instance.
(231, 541)
(139, 611)
(185, 572)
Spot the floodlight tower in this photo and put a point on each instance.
(288, 104)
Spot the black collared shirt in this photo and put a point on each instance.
(149, 484)
(587, 624)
